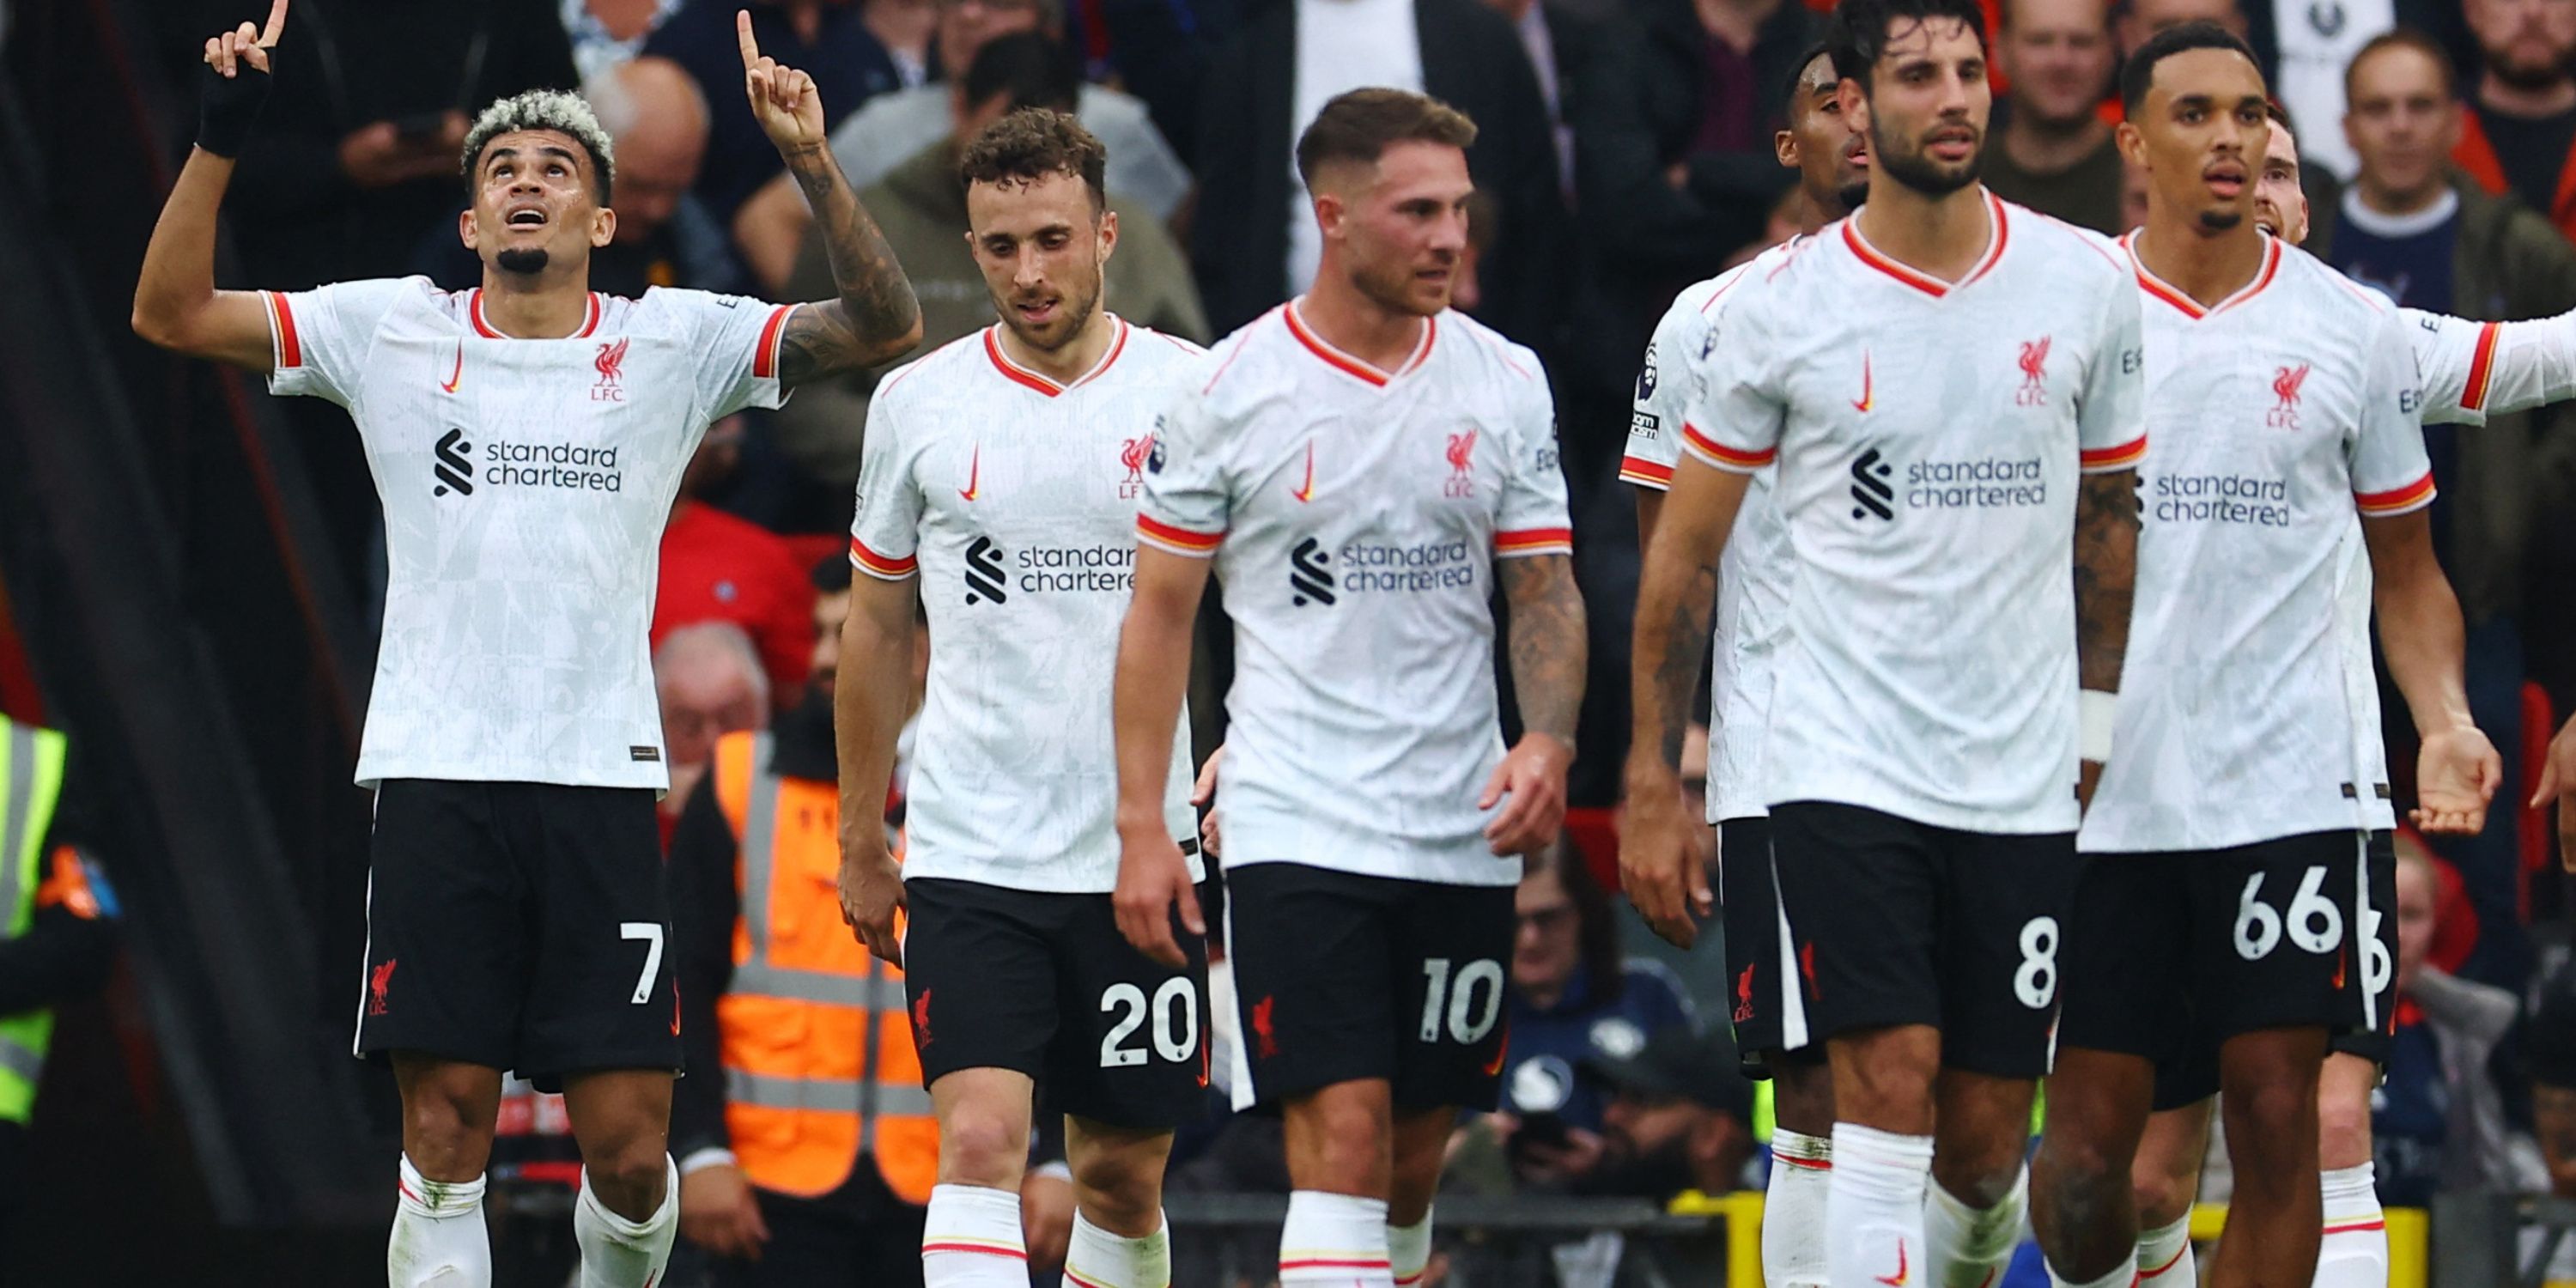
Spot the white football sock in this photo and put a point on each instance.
(1874, 1208)
(1099, 1259)
(1793, 1210)
(1964, 1247)
(439, 1239)
(970, 1238)
(2165, 1258)
(618, 1253)
(1335, 1240)
(1408, 1251)
(2354, 1250)
(2121, 1276)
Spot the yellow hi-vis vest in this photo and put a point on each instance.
(31, 780)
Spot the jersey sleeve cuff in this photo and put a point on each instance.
(287, 347)
(1519, 542)
(764, 356)
(2396, 501)
(1177, 540)
(1645, 473)
(2473, 390)
(882, 567)
(2103, 460)
(1734, 460)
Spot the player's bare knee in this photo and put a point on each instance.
(1981, 1175)
(2343, 1128)
(2162, 1197)
(2267, 1117)
(1802, 1096)
(628, 1173)
(1119, 1189)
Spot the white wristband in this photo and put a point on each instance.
(711, 1156)
(2093, 713)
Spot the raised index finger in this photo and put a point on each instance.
(276, 25)
(742, 36)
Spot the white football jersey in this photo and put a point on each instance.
(525, 487)
(1013, 498)
(2278, 415)
(1928, 438)
(1752, 572)
(1355, 516)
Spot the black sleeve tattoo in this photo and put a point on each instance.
(1548, 642)
(2106, 574)
(1680, 642)
(877, 318)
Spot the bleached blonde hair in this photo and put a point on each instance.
(552, 110)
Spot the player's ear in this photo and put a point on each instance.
(1328, 212)
(1108, 234)
(2133, 145)
(603, 226)
(1855, 104)
(1784, 145)
(465, 229)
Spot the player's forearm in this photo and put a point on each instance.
(2420, 629)
(177, 282)
(1676, 591)
(877, 317)
(872, 697)
(1145, 703)
(1650, 506)
(2535, 364)
(2106, 575)
(1548, 644)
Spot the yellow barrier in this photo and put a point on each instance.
(2409, 1235)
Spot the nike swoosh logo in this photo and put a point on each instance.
(1866, 396)
(974, 473)
(1307, 493)
(1898, 1279)
(456, 377)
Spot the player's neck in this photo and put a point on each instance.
(549, 306)
(1072, 361)
(1347, 319)
(1941, 237)
(2206, 264)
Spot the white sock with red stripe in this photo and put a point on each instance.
(970, 1238)
(1099, 1259)
(1793, 1210)
(2354, 1251)
(439, 1240)
(2120, 1277)
(1334, 1241)
(2165, 1259)
(1408, 1251)
(1874, 1209)
(1965, 1247)
(618, 1253)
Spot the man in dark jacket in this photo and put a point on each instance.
(1469, 58)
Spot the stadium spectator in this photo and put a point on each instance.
(1680, 1117)
(2433, 241)
(2305, 47)
(57, 940)
(921, 207)
(710, 682)
(718, 568)
(1254, 242)
(1558, 42)
(1574, 999)
(896, 128)
(906, 29)
(2438, 1123)
(605, 33)
(805, 1140)
(657, 123)
(2140, 19)
(2054, 153)
(2519, 132)
(828, 41)
(1157, 50)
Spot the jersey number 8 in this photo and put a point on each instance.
(1176, 1023)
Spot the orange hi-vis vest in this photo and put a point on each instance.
(818, 1059)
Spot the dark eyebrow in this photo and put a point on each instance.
(500, 154)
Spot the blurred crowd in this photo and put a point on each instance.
(1626, 149)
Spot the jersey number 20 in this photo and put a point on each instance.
(1175, 1010)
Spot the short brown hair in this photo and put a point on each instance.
(1362, 124)
(2406, 38)
(1035, 143)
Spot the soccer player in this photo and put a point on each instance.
(1950, 386)
(1362, 466)
(527, 438)
(2223, 898)
(2466, 370)
(998, 493)
(1752, 589)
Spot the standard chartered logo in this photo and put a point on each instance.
(993, 573)
(1310, 574)
(1974, 484)
(1362, 567)
(455, 465)
(459, 465)
(2221, 498)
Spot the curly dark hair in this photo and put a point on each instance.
(1032, 144)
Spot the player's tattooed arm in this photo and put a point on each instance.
(1679, 656)
(1548, 645)
(877, 318)
(2106, 575)
(1662, 863)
